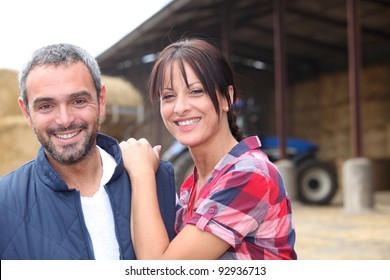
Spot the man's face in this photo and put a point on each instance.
(64, 110)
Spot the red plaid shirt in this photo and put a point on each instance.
(244, 203)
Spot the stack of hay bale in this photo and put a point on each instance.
(124, 108)
(18, 143)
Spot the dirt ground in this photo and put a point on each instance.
(328, 233)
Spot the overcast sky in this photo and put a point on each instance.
(95, 25)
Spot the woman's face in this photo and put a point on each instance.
(188, 112)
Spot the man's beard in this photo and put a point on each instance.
(70, 154)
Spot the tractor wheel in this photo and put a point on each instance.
(317, 182)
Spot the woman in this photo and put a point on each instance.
(234, 205)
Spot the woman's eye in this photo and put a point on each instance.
(197, 91)
(167, 96)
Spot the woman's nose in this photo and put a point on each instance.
(181, 105)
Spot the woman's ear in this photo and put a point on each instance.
(231, 94)
(226, 106)
(225, 100)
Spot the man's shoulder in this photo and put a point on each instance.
(105, 141)
(14, 187)
(165, 174)
(166, 167)
(166, 164)
(108, 144)
(18, 173)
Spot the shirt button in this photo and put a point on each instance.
(211, 210)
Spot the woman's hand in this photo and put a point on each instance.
(139, 158)
(141, 162)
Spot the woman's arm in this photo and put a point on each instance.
(149, 236)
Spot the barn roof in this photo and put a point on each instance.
(316, 32)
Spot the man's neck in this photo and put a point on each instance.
(84, 176)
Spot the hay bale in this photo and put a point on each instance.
(387, 131)
(304, 95)
(375, 113)
(381, 175)
(18, 143)
(9, 93)
(124, 108)
(121, 92)
(375, 82)
(375, 142)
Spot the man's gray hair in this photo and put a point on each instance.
(57, 55)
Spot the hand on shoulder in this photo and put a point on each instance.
(139, 157)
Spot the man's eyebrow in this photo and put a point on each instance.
(73, 95)
(80, 94)
(42, 99)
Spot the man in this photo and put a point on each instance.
(73, 200)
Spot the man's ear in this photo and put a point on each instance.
(23, 107)
(102, 102)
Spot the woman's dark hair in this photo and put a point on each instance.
(210, 67)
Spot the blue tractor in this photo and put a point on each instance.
(316, 179)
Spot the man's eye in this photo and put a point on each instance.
(79, 101)
(45, 107)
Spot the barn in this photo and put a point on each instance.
(315, 70)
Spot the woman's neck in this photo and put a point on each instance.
(206, 157)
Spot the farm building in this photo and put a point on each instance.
(316, 70)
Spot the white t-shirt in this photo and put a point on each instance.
(99, 217)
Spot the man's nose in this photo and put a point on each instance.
(64, 116)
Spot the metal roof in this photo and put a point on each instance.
(316, 33)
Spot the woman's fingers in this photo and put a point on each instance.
(139, 154)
